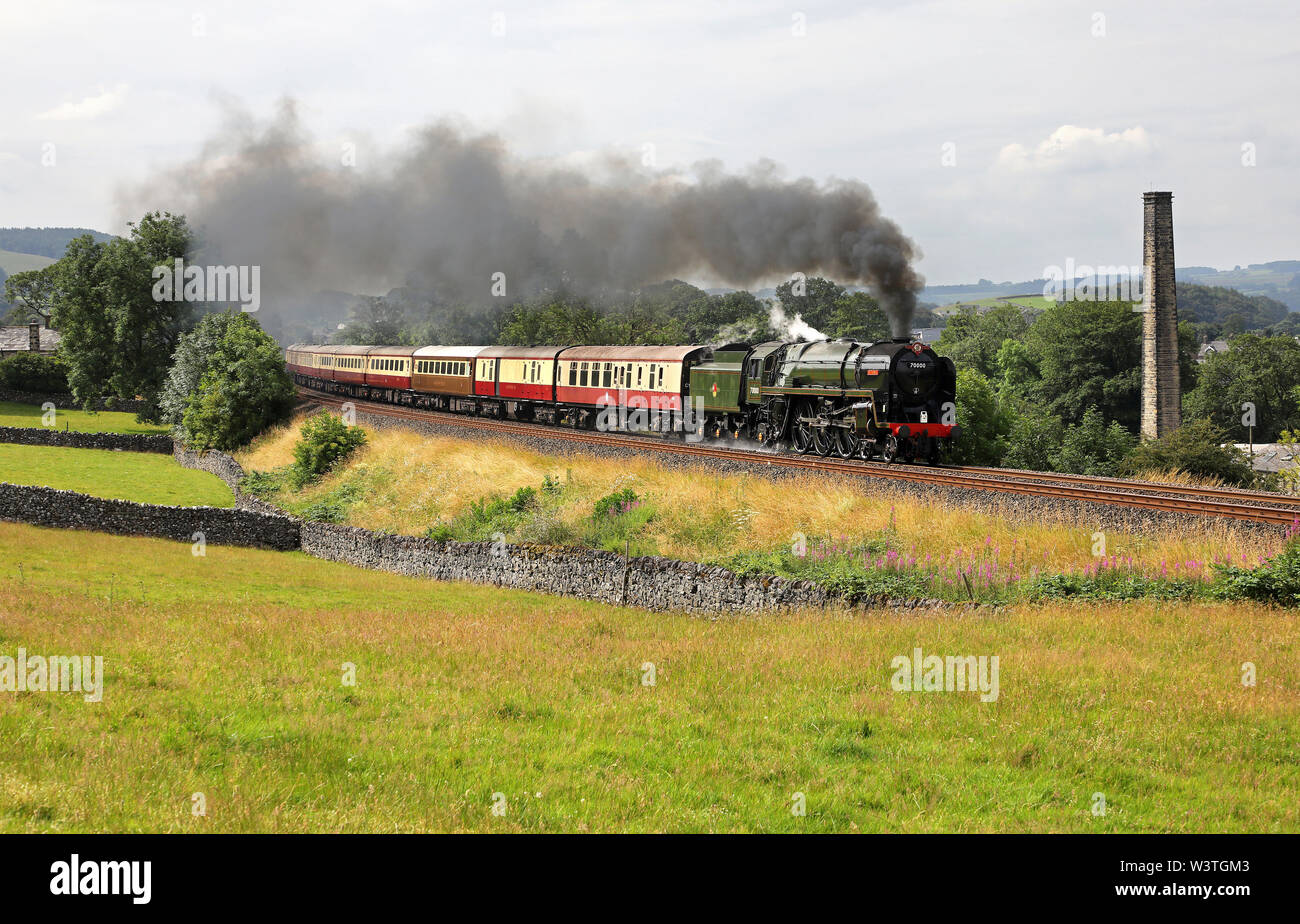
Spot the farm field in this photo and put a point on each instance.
(147, 478)
(12, 262)
(223, 676)
(1036, 302)
(405, 482)
(13, 414)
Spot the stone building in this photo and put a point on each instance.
(34, 338)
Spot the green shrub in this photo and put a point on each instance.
(1107, 586)
(325, 440)
(615, 504)
(1198, 447)
(1275, 581)
(35, 372)
(264, 485)
(617, 521)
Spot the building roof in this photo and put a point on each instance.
(18, 339)
(1214, 346)
(1270, 457)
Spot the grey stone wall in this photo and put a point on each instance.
(125, 442)
(228, 470)
(69, 403)
(40, 506)
(650, 583)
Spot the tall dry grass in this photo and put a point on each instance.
(405, 482)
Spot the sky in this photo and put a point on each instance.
(1004, 137)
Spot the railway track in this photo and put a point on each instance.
(1255, 507)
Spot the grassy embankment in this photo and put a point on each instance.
(859, 534)
(13, 414)
(146, 478)
(223, 677)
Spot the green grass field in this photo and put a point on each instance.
(224, 676)
(13, 414)
(147, 478)
(12, 262)
(1036, 302)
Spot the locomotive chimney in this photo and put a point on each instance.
(1162, 409)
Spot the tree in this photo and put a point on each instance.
(1254, 370)
(1090, 447)
(973, 338)
(1087, 354)
(118, 338)
(1195, 448)
(375, 320)
(859, 316)
(1016, 365)
(230, 381)
(1034, 441)
(984, 421)
(34, 290)
(815, 305)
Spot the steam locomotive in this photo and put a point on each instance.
(893, 398)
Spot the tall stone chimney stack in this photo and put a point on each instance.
(1162, 408)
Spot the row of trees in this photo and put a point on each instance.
(669, 312)
(1061, 392)
(217, 378)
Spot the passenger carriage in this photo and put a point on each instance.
(388, 373)
(522, 379)
(443, 377)
(646, 385)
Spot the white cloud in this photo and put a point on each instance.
(91, 107)
(1073, 146)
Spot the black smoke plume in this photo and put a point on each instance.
(456, 207)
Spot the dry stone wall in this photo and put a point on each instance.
(69, 403)
(650, 583)
(123, 442)
(41, 506)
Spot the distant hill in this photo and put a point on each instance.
(1279, 280)
(44, 242)
(1218, 311)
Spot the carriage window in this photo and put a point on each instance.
(640, 373)
(609, 374)
(661, 376)
(573, 373)
(584, 375)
